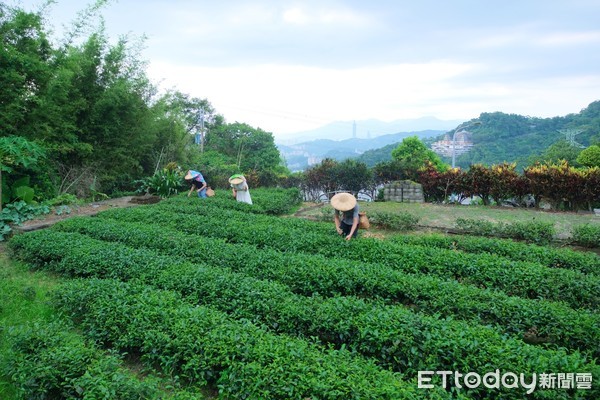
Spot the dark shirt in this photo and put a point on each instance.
(348, 216)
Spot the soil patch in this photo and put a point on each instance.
(44, 221)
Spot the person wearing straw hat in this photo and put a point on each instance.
(347, 225)
(198, 183)
(239, 187)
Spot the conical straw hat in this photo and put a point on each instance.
(191, 174)
(236, 179)
(343, 201)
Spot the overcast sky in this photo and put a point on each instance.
(287, 66)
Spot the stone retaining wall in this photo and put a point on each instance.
(404, 192)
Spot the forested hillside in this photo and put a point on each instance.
(514, 138)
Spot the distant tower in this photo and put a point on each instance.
(570, 136)
(354, 130)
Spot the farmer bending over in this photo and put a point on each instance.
(197, 181)
(346, 204)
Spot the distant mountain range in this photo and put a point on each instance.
(301, 155)
(498, 137)
(367, 129)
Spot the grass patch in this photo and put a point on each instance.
(27, 316)
(23, 298)
(445, 216)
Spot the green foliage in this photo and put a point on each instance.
(24, 193)
(164, 183)
(353, 175)
(322, 178)
(551, 257)
(365, 268)
(530, 231)
(18, 190)
(413, 154)
(16, 213)
(251, 150)
(63, 199)
(371, 329)
(49, 362)
(18, 151)
(24, 55)
(330, 176)
(559, 151)
(526, 279)
(326, 214)
(590, 157)
(201, 345)
(394, 170)
(587, 235)
(523, 139)
(402, 221)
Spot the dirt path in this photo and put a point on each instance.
(44, 221)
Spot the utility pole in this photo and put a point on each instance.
(200, 133)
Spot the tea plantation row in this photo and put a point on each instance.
(515, 278)
(313, 274)
(395, 336)
(216, 295)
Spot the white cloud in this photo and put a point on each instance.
(329, 17)
(569, 38)
(291, 65)
(311, 96)
(295, 16)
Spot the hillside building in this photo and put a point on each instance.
(462, 144)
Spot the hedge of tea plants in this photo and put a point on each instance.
(47, 361)
(588, 263)
(314, 274)
(372, 329)
(257, 306)
(515, 278)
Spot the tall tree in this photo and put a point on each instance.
(590, 157)
(17, 151)
(412, 155)
(250, 149)
(24, 55)
(560, 150)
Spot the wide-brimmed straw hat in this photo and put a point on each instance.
(236, 179)
(343, 201)
(191, 174)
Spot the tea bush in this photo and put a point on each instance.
(587, 235)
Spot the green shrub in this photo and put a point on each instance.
(587, 235)
(16, 213)
(309, 274)
(205, 346)
(401, 221)
(586, 262)
(326, 214)
(47, 362)
(479, 227)
(64, 199)
(525, 279)
(530, 231)
(163, 183)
